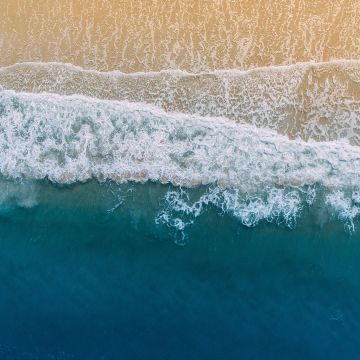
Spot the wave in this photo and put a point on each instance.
(311, 101)
(266, 143)
(280, 206)
(74, 138)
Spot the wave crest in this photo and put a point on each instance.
(70, 139)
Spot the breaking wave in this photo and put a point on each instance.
(71, 138)
(266, 143)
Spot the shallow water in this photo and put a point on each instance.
(316, 101)
(82, 278)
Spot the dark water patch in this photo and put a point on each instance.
(78, 281)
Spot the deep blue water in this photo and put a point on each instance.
(80, 282)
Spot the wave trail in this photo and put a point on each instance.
(313, 101)
(72, 138)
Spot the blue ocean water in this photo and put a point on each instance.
(88, 273)
(226, 229)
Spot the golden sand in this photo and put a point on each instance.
(151, 35)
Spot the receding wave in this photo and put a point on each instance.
(316, 101)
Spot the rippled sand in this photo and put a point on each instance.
(190, 35)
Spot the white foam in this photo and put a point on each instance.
(345, 207)
(71, 138)
(279, 206)
(316, 101)
(255, 175)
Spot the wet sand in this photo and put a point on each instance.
(190, 35)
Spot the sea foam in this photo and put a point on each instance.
(312, 101)
(259, 175)
(73, 138)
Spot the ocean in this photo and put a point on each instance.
(182, 182)
(86, 273)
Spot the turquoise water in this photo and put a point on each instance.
(87, 273)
